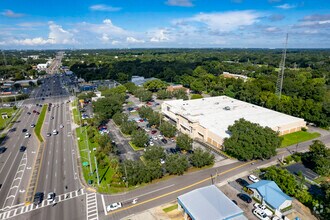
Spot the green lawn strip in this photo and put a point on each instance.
(40, 121)
(135, 147)
(76, 116)
(105, 174)
(171, 208)
(4, 122)
(297, 137)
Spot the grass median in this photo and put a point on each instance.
(40, 121)
(106, 174)
(297, 137)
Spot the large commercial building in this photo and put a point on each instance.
(208, 118)
(208, 203)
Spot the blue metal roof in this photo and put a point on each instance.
(270, 192)
(210, 203)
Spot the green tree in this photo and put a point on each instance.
(131, 87)
(140, 138)
(145, 111)
(318, 158)
(201, 158)
(163, 94)
(176, 164)
(119, 118)
(197, 86)
(143, 95)
(184, 142)
(180, 94)
(107, 107)
(155, 85)
(250, 141)
(154, 153)
(196, 96)
(127, 127)
(167, 129)
(153, 170)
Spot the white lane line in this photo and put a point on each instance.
(104, 208)
(6, 162)
(150, 192)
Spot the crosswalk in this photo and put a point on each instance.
(28, 208)
(91, 206)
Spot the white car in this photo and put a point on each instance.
(54, 132)
(51, 197)
(155, 138)
(253, 178)
(27, 135)
(260, 214)
(263, 208)
(160, 136)
(33, 125)
(162, 161)
(61, 126)
(114, 206)
(151, 143)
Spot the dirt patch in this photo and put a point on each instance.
(301, 211)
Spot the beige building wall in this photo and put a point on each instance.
(195, 130)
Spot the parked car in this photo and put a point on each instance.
(29, 113)
(153, 131)
(260, 214)
(151, 143)
(242, 182)
(24, 130)
(263, 208)
(2, 150)
(114, 206)
(164, 141)
(244, 197)
(253, 178)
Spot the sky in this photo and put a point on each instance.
(87, 24)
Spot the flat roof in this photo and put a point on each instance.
(210, 203)
(217, 113)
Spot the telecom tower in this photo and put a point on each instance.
(279, 82)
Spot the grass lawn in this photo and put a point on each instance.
(135, 147)
(297, 137)
(171, 208)
(322, 179)
(40, 121)
(76, 116)
(4, 122)
(105, 174)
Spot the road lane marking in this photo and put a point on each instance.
(104, 208)
(181, 189)
(5, 162)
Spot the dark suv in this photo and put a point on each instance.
(242, 182)
(244, 197)
(38, 198)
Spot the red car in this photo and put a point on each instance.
(34, 111)
(141, 120)
(153, 132)
(38, 113)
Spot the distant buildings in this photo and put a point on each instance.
(98, 96)
(235, 76)
(173, 88)
(140, 80)
(208, 118)
(208, 203)
(269, 194)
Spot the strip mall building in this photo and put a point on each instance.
(208, 119)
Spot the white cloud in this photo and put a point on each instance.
(11, 14)
(31, 41)
(133, 40)
(286, 6)
(102, 7)
(226, 21)
(272, 29)
(115, 42)
(105, 38)
(182, 3)
(31, 24)
(106, 27)
(159, 35)
(58, 35)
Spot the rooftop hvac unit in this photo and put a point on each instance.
(226, 108)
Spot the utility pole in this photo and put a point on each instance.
(97, 172)
(279, 83)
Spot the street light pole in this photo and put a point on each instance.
(97, 172)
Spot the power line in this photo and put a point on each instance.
(279, 83)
